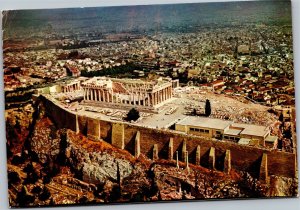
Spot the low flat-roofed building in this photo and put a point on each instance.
(232, 134)
(252, 131)
(271, 142)
(246, 134)
(244, 141)
(203, 126)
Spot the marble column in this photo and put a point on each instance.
(95, 95)
(153, 98)
(161, 96)
(150, 99)
(132, 99)
(107, 96)
(112, 97)
(99, 93)
(167, 93)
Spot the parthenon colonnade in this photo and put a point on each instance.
(141, 98)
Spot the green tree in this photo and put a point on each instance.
(207, 108)
(133, 114)
(45, 194)
(281, 117)
(194, 112)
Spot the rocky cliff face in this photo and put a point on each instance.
(58, 166)
(18, 121)
(95, 166)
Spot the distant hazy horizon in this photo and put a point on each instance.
(145, 18)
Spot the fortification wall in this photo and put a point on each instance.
(61, 117)
(123, 135)
(243, 158)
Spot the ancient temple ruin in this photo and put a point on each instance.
(142, 94)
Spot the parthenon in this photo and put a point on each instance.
(128, 92)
